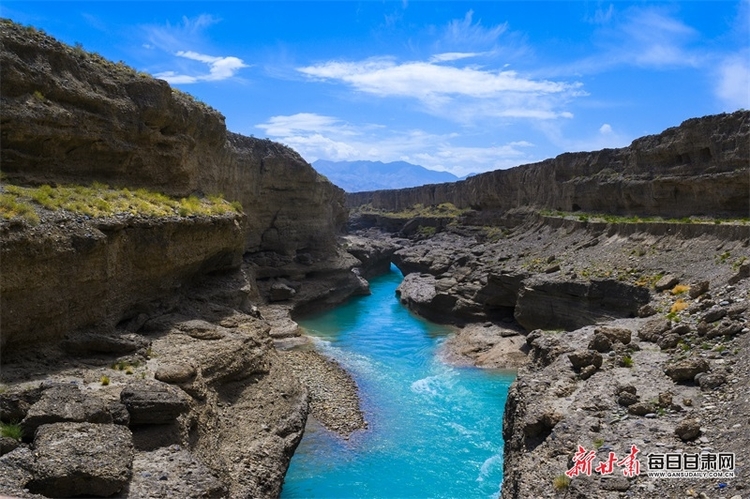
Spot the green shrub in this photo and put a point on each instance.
(11, 430)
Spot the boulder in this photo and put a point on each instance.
(582, 358)
(7, 444)
(742, 273)
(601, 343)
(724, 328)
(66, 402)
(153, 402)
(14, 405)
(419, 292)
(615, 334)
(74, 459)
(688, 429)
(714, 314)
(709, 381)
(627, 399)
(698, 289)
(640, 408)
(178, 372)
(686, 370)
(653, 329)
(667, 282)
(668, 341)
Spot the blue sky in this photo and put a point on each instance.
(457, 86)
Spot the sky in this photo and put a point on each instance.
(461, 86)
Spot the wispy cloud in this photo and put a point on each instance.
(448, 90)
(220, 68)
(465, 32)
(317, 136)
(453, 56)
(175, 40)
(173, 37)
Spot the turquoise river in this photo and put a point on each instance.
(435, 430)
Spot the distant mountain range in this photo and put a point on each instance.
(358, 176)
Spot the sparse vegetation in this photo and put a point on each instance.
(598, 443)
(678, 306)
(104, 380)
(627, 361)
(561, 482)
(619, 219)
(39, 96)
(11, 430)
(122, 365)
(99, 200)
(443, 210)
(680, 289)
(723, 257)
(12, 209)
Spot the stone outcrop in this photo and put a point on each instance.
(697, 168)
(545, 303)
(74, 459)
(53, 273)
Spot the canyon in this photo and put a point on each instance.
(167, 343)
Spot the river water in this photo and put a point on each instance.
(434, 430)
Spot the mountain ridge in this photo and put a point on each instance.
(360, 176)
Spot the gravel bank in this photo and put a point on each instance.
(334, 399)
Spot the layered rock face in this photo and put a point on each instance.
(60, 277)
(697, 168)
(73, 117)
(134, 355)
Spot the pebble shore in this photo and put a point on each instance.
(334, 399)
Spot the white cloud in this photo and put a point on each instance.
(605, 129)
(174, 38)
(220, 68)
(316, 136)
(451, 91)
(453, 56)
(281, 126)
(733, 84)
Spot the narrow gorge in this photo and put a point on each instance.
(153, 265)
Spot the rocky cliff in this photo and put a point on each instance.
(69, 116)
(135, 359)
(697, 168)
